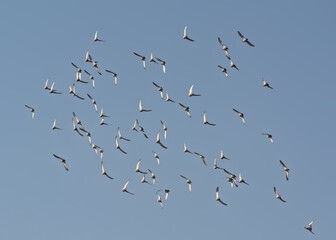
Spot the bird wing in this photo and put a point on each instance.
(182, 105)
(241, 35)
(249, 43)
(236, 111)
(156, 85)
(137, 54)
(220, 41)
(191, 90)
(283, 164)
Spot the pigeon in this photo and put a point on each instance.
(118, 147)
(168, 99)
(141, 109)
(224, 47)
(188, 182)
(62, 160)
(143, 179)
(101, 153)
(158, 140)
(218, 198)
(152, 59)
(114, 75)
(206, 122)
(163, 63)
(125, 188)
(185, 35)
(269, 136)
(216, 166)
(159, 200)
(233, 65)
(202, 157)
(72, 90)
(241, 115)
(186, 109)
(310, 227)
(245, 39)
(156, 156)
(102, 122)
(164, 129)
(233, 176)
(141, 128)
(152, 175)
(77, 119)
(222, 156)
(232, 180)
(191, 94)
(95, 147)
(32, 110)
(79, 77)
(54, 126)
(92, 78)
(223, 69)
(93, 102)
(75, 128)
(96, 39)
(104, 172)
(95, 65)
(227, 54)
(46, 85)
(265, 84)
(286, 169)
(143, 59)
(160, 89)
(134, 126)
(102, 115)
(277, 195)
(185, 149)
(137, 169)
(87, 57)
(241, 180)
(121, 137)
(52, 90)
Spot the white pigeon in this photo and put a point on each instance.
(141, 109)
(206, 122)
(124, 189)
(241, 115)
(158, 140)
(143, 59)
(137, 169)
(269, 136)
(32, 110)
(286, 169)
(218, 198)
(163, 63)
(223, 69)
(96, 39)
(54, 126)
(277, 195)
(185, 149)
(310, 227)
(118, 147)
(191, 94)
(185, 36)
(62, 160)
(245, 39)
(188, 182)
(104, 172)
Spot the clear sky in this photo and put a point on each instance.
(295, 53)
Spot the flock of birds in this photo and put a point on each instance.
(79, 128)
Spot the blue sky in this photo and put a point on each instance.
(295, 48)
